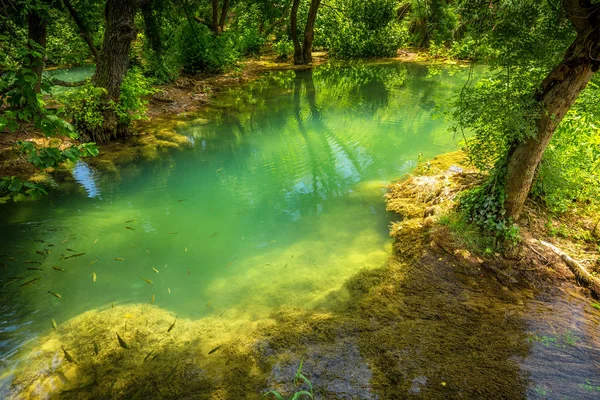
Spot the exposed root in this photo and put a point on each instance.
(581, 273)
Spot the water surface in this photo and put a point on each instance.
(277, 202)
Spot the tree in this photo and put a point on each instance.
(557, 93)
(303, 53)
(114, 60)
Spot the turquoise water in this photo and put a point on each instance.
(276, 203)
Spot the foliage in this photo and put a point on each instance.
(570, 169)
(14, 188)
(85, 104)
(284, 49)
(46, 157)
(354, 28)
(203, 51)
(299, 379)
(484, 207)
(132, 105)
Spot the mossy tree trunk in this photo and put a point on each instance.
(114, 61)
(294, 32)
(557, 93)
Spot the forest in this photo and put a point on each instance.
(300, 199)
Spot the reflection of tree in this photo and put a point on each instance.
(312, 134)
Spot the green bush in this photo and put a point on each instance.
(203, 51)
(14, 188)
(284, 49)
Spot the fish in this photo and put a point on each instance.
(31, 262)
(180, 200)
(68, 249)
(131, 245)
(58, 269)
(93, 277)
(130, 228)
(50, 245)
(169, 289)
(147, 251)
(11, 259)
(58, 296)
(189, 271)
(208, 304)
(73, 234)
(220, 169)
(31, 282)
(67, 355)
(119, 259)
(285, 265)
(214, 234)
(130, 220)
(54, 324)
(149, 354)
(171, 233)
(267, 264)
(215, 349)
(75, 255)
(93, 262)
(152, 299)
(95, 241)
(64, 241)
(34, 269)
(112, 304)
(273, 241)
(220, 315)
(41, 253)
(155, 270)
(185, 251)
(122, 343)
(39, 240)
(172, 325)
(147, 280)
(96, 348)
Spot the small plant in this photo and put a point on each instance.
(299, 379)
(46, 157)
(14, 188)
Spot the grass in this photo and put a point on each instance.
(299, 380)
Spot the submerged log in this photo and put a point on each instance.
(581, 273)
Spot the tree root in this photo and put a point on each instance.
(584, 278)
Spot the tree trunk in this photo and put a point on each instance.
(223, 15)
(37, 33)
(83, 31)
(309, 31)
(113, 64)
(558, 92)
(215, 16)
(298, 56)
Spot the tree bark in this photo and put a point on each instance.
(36, 32)
(298, 55)
(309, 31)
(215, 16)
(83, 31)
(223, 15)
(114, 61)
(557, 93)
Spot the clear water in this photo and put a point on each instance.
(277, 203)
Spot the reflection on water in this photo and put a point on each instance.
(86, 177)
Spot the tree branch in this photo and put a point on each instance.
(579, 13)
(82, 29)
